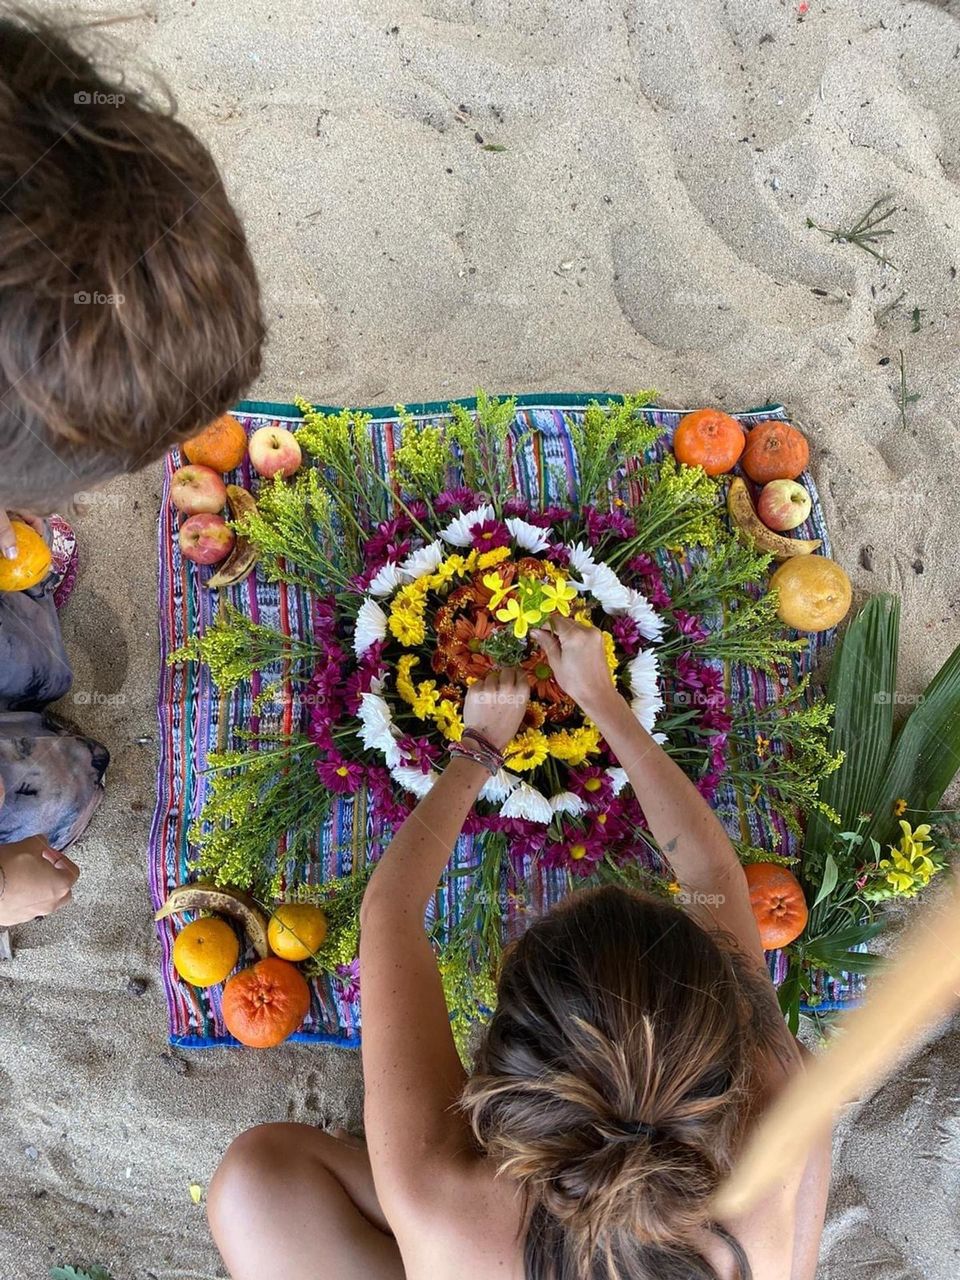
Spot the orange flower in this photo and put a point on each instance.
(540, 677)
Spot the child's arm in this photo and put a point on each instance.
(412, 1072)
(682, 823)
(34, 880)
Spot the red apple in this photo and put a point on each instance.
(274, 451)
(206, 538)
(783, 505)
(194, 489)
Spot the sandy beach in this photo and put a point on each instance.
(643, 225)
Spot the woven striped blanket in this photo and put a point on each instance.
(194, 720)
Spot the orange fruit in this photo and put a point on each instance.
(32, 563)
(815, 592)
(266, 1003)
(778, 904)
(296, 930)
(775, 451)
(205, 951)
(221, 446)
(710, 439)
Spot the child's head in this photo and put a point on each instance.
(129, 305)
(611, 1084)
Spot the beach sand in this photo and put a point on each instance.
(645, 225)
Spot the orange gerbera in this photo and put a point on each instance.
(540, 677)
(461, 652)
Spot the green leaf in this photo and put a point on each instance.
(71, 1273)
(843, 939)
(831, 875)
(925, 756)
(862, 684)
(493, 146)
(840, 961)
(788, 994)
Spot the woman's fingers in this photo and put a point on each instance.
(63, 864)
(548, 642)
(8, 541)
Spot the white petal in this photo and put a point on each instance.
(606, 588)
(645, 616)
(527, 535)
(458, 531)
(371, 627)
(414, 780)
(567, 802)
(499, 786)
(423, 560)
(644, 673)
(618, 779)
(659, 738)
(387, 579)
(581, 558)
(376, 728)
(525, 801)
(646, 710)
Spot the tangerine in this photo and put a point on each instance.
(775, 451)
(778, 904)
(32, 563)
(205, 951)
(221, 446)
(296, 931)
(710, 439)
(265, 1004)
(814, 592)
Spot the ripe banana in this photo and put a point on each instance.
(751, 529)
(241, 560)
(224, 902)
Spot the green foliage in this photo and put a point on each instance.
(610, 435)
(261, 817)
(680, 507)
(74, 1273)
(751, 632)
(724, 571)
(469, 988)
(422, 458)
(482, 438)
(234, 647)
(340, 899)
(298, 532)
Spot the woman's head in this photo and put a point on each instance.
(610, 1084)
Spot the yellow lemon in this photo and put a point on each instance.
(815, 592)
(205, 951)
(296, 931)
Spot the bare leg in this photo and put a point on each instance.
(289, 1200)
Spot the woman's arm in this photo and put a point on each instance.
(683, 824)
(412, 1072)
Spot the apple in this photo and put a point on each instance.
(195, 489)
(783, 505)
(206, 538)
(274, 451)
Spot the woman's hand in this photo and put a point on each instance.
(8, 539)
(34, 880)
(578, 663)
(495, 705)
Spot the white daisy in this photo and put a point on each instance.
(618, 779)
(644, 674)
(499, 786)
(646, 709)
(659, 738)
(387, 579)
(645, 616)
(527, 535)
(376, 728)
(459, 531)
(371, 627)
(414, 780)
(581, 558)
(567, 802)
(423, 560)
(527, 802)
(606, 588)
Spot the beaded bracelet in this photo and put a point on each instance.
(485, 743)
(492, 761)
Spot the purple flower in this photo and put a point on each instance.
(419, 752)
(489, 535)
(718, 753)
(348, 980)
(325, 619)
(601, 523)
(461, 497)
(342, 777)
(716, 718)
(593, 785)
(387, 542)
(627, 635)
(519, 507)
(645, 566)
(707, 786)
(689, 625)
(579, 854)
(391, 808)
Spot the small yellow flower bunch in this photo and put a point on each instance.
(528, 602)
(910, 867)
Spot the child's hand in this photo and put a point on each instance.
(34, 880)
(495, 706)
(579, 665)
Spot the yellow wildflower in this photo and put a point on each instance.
(573, 746)
(522, 619)
(899, 808)
(528, 750)
(407, 627)
(445, 572)
(763, 745)
(426, 701)
(556, 597)
(497, 587)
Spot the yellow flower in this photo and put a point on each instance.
(448, 720)
(522, 619)
(407, 627)
(899, 807)
(573, 746)
(763, 745)
(489, 558)
(583, 615)
(426, 702)
(556, 597)
(610, 652)
(528, 750)
(404, 684)
(445, 572)
(498, 588)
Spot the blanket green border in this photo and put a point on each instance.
(569, 399)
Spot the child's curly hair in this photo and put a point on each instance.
(129, 306)
(612, 1085)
